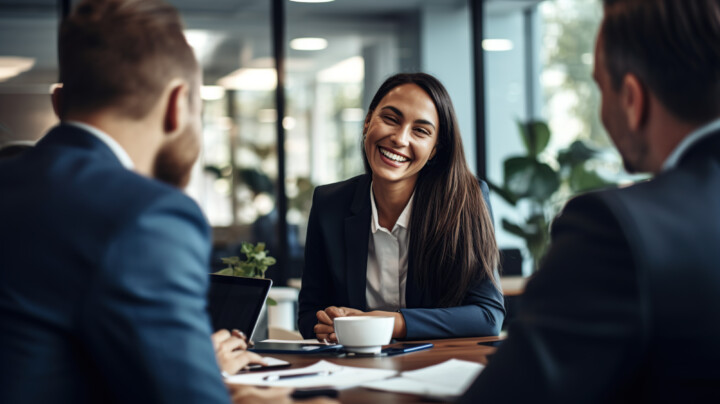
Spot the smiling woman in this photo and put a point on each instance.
(413, 237)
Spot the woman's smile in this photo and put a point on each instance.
(392, 158)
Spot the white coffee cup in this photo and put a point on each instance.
(364, 334)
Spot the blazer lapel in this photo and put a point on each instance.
(357, 234)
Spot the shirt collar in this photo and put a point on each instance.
(403, 221)
(114, 146)
(689, 140)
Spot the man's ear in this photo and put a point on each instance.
(634, 101)
(57, 100)
(177, 107)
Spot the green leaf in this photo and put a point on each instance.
(582, 179)
(225, 271)
(535, 136)
(271, 302)
(527, 177)
(246, 248)
(254, 265)
(515, 229)
(576, 154)
(230, 260)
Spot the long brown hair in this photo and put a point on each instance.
(452, 241)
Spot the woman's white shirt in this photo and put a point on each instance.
(387, 262)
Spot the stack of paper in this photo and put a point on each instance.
(328, 375)
(445, 380)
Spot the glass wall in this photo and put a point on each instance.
(28, 68)
(538, 59)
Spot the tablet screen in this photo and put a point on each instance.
(236, 302)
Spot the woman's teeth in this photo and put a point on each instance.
(392, 156)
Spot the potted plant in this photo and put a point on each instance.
(542, 183)
(256, 262)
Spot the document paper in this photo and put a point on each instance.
(339, 377)
(444, 380)
(312, 341)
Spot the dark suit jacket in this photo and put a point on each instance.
(103, 277)
(335, 271)
(626, 304)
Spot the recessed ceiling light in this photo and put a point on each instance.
(312, 1)
(497, 45)
(309, 44)
(250, 79)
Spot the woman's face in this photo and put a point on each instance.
(401, 134)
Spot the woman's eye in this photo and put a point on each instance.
(422, 131)
(389, 118)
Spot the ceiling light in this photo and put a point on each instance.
(250, 79)
(497, 45)
(309, 44)
(312, 1)
(11, 66)
(351, 70)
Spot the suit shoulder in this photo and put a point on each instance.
(339, 190)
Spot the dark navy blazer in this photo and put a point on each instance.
(103, 278)
(335, 274)
(626, 303)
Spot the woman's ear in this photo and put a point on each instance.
(367, 122)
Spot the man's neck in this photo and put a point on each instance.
(136, 137)
(664, 133)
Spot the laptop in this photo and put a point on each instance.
(235, 302)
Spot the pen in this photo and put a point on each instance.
(272, 378)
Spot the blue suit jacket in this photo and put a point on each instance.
(335, 271)
(103, 281)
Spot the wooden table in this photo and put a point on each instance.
(458, 348)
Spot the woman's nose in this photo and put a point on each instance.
(401, 136)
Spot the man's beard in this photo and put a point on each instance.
(174, 161)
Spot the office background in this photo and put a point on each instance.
(502, 61)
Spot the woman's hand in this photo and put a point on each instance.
(399, 329)
(325, 331)
(230, 351)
